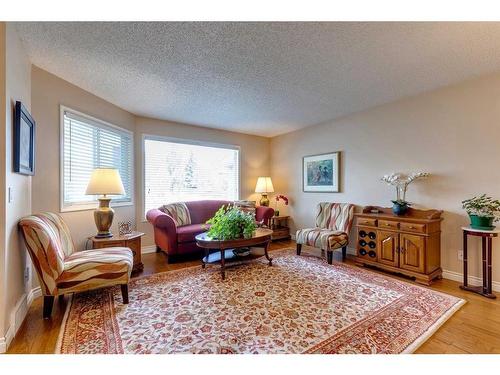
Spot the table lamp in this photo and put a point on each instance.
(104, 181)
(264, 186)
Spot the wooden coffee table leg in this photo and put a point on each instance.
(206, 252)
(266, 248)
(223, 263)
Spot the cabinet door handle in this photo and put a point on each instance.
(411, 227)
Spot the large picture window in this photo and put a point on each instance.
(88, 143)
(176, 170)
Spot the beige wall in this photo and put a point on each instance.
(17, 87)
(48, 93)
(254, 155)
(453, 133)
(3, 186)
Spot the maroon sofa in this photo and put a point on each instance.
(175, 240)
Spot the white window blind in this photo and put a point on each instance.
(176, 171)
(88, 144)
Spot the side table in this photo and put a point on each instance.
(486, 236)
(131, 240)
(279, 226)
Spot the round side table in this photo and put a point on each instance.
(486, 236)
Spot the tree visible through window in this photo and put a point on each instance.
(177, 171)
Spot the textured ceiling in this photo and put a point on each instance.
(260, 78)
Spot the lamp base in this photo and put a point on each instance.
(104, 235)
(103, 218)
(264, 201)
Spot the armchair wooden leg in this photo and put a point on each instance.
(344, 253)
(48, 303)
(329, 255)
(299, 248)
(124, 293)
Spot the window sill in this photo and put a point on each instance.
(93, 206)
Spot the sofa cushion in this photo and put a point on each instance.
(201, 211)
(187, 233)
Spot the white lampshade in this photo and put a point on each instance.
(105, 181)
(264, 185)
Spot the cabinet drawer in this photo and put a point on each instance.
(367, 222)
(387, 224)
(412, 227)
(281, 232)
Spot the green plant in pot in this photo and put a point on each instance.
(401, 181)
(483, 211)
(230, 223)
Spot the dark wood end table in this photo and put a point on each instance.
(131, 240)
(279, 225)
(260, 238)
(486, 236)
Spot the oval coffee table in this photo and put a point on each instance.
(260, 238)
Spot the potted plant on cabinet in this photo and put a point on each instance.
(401, 182)
(483, 211)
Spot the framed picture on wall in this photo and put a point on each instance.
(24, 141)
(321, 173)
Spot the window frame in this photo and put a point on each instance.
(64, 207)
(185, 141)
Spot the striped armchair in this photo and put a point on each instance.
(62, 270)
(333, 222)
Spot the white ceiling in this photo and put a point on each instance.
(260, 78)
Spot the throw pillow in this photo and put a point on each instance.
(179, 212)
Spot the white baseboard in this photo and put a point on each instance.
(148, 249)
(17, 317)
(473, 280)
(454, 276)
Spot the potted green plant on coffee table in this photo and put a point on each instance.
(230, 223)
(483, 211)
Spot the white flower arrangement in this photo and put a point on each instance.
(401, 182)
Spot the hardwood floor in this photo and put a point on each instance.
(475, 328)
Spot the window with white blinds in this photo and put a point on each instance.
(176, 171)
(88, 143)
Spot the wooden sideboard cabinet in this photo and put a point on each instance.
(408, 244)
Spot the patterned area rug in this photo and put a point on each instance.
(299, 305)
